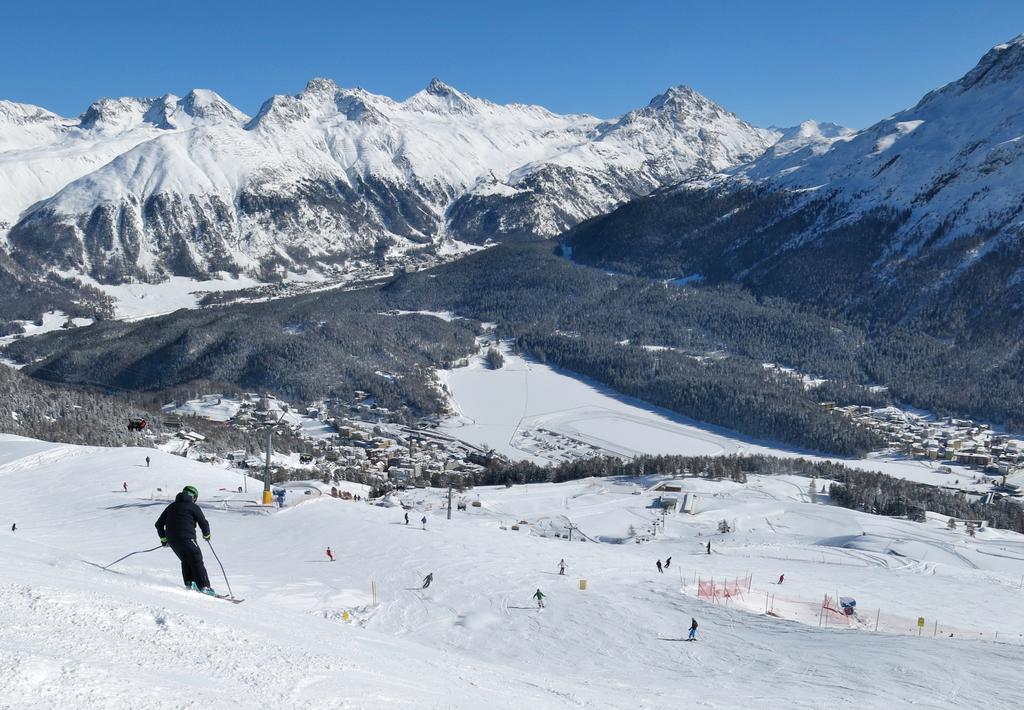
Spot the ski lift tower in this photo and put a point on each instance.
(268, 496)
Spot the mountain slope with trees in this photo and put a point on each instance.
(913, 221)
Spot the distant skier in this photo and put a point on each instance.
(14, 527)
(176, 527)
(668, 562)
(407, 518)
(424, 521)
(125, 486)
(660, 570)
(428, 579)
(693, 630)
(782, 578)
(147, 462)
(562, 566)
(330, 555)
(709, 547)
(539, 596)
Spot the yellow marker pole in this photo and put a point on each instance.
(583, 584)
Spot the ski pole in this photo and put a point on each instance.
(221, 569)
(137, 552)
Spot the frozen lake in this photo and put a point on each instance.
(529, 410)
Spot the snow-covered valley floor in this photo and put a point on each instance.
(533, 411)
(75, 636)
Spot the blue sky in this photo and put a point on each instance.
(771, 63)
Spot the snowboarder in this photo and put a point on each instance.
(539, 596)
(176, 527)
(781, 578)
(147, 462)
(659, 567)
(424, 521)
(428, 579)
(406, 518)
(125, 486)
(668, 562)
(693, 630)
(330, 555)
(709, 547)
(562, 566)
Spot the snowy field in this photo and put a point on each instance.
(529, 410)
(135, 301)
(75, 636)
(52, 320)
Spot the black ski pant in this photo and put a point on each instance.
(192, 567)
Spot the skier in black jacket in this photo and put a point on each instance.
(177, 528)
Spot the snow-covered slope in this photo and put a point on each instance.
(72, 635)
(932, 192)
(919, 214)
(190, 186)
(953, 160)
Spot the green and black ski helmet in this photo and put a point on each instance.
(192, 491)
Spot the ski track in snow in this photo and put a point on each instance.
(72, 635)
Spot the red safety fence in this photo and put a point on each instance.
(831, 607)
(723, 590)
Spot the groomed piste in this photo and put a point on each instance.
(361, 632)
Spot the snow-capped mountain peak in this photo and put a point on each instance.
(320, 86)
(811, 130)
(440, 98)
(190, 185)
(1004, 62)
(24, 126)
(711, 137)
(679, 105)
(116, 115)
(682, 98)
(279, 110)
(210, 106)
(815, 136)
(13, 113)
(437, 87)
(167, 112)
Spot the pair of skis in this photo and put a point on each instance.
(225, 597)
